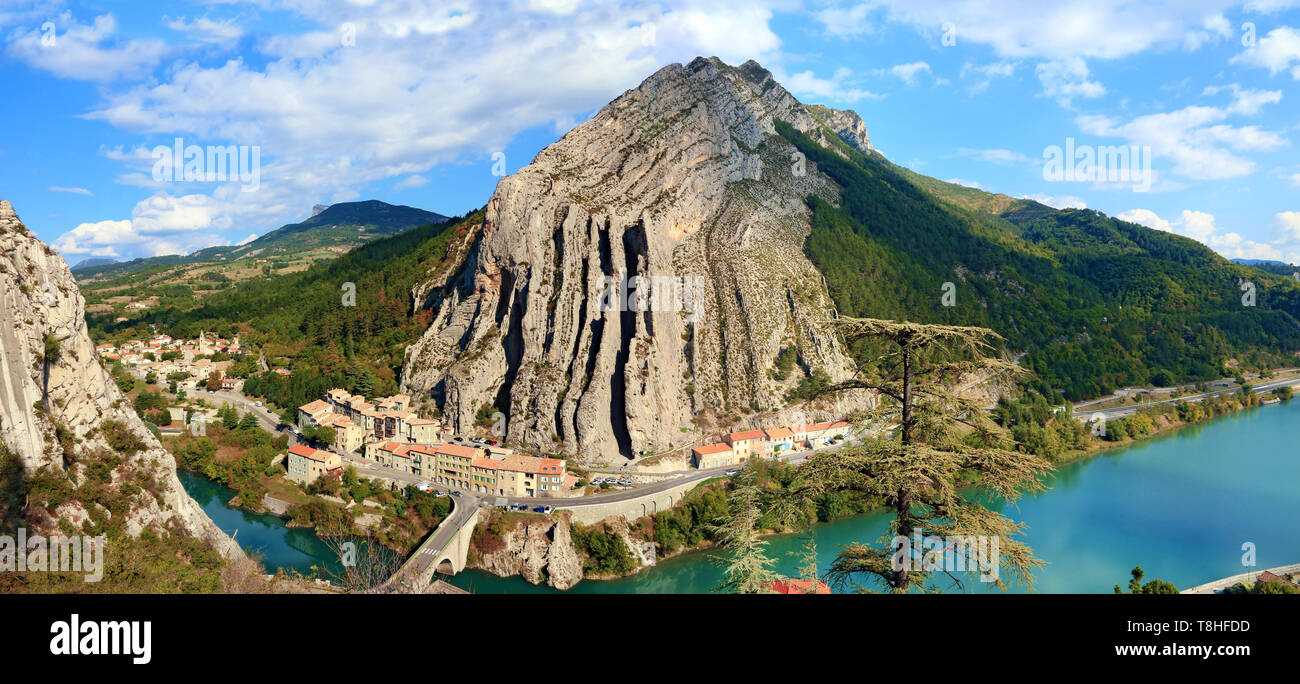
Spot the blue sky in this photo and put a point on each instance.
(408, 101)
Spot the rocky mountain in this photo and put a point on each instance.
(751, 220)
(681, 181)
(62, 415)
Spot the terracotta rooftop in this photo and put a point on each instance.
(712, 448)
(747, 434)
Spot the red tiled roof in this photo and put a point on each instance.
(712, 448)
(795, 586)
(314, 407)
(747, 434)
(779, 433)
(457, 450)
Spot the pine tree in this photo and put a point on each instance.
(808, 571)
(939, 440)
(746, 568)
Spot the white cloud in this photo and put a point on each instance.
(74, 191)
(842, 22)
(423, 85)
(162, 224)
(411, 181)
(86, 52)
(982, 75)
(1275, 52)
(1057, 201)
(1244, 100)
(1064, 80)
(1192, 138)
(995, 156)
(1092, 29)
(807, 84)
(1202, 227)
(207, 30)
(909, 72)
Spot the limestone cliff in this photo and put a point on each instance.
(684, 182)
(56, 399)
(537, 549)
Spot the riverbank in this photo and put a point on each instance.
(1180, 506)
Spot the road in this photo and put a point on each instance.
(461, 510)
(1219, 585)
(1082, 413)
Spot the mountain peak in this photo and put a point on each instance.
(683, 180)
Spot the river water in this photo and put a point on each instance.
(1180, 505)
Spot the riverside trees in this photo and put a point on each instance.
(940, 443)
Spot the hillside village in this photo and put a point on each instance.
(171, 357)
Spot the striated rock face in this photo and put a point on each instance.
(537, 550)
(683, 181)
(50, 376)
(846, 124)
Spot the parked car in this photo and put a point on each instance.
(493, 442)
(257, 403)
(732, 473)
(598, 481)
(424, 486)
(539, 509)
(455, 492)
(439, 494)
(547, 510)
(625, 482)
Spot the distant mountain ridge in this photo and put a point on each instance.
(95, 261)
(343, 225)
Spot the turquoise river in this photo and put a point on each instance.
(1180, 505)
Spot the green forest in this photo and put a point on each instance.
(1093, 302)
(326, 332)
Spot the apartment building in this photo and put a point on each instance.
(738, 447)
(778, 441)
(306, 465)
(476, 469)
(746, 444)
(714, 456)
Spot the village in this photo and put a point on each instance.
(195, 359)
(388, 433)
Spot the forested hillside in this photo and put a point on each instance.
(309, 321)
(1094, 303)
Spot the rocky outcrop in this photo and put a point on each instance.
(643, 272)
(56, 397)
(537, 549)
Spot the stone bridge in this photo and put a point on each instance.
(445, 551)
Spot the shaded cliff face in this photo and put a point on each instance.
(681, 181)
(56, 400)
